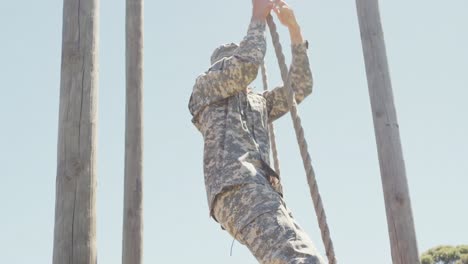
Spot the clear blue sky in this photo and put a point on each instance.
(427, 48)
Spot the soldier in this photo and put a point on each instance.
(244, 192)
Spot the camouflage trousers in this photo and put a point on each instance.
(256, 216)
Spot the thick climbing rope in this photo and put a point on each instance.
(314, 192)
(271, 128)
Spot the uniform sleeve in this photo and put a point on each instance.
(231, 75)
(301, 83)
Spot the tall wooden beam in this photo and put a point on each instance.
(75, 210)
(392, 167)
(132, 245)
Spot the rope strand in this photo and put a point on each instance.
(271, 128)
(314, 192)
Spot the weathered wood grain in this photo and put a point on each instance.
(132, 245)
(392, 167)
(75, 210)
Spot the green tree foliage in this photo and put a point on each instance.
(446, 255)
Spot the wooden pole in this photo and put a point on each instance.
(75, 210)
(392, 167)
(132, 245)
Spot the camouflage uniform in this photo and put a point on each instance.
(257, 217)
(234, 125)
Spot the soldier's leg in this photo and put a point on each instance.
(275, 238)
(238, 206)
(256, 216)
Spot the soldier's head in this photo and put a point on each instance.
(223, 51)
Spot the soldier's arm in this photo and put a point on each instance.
(300, 73)
(301, 82)
(231, 75)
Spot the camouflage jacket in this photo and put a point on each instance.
(234, 122)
